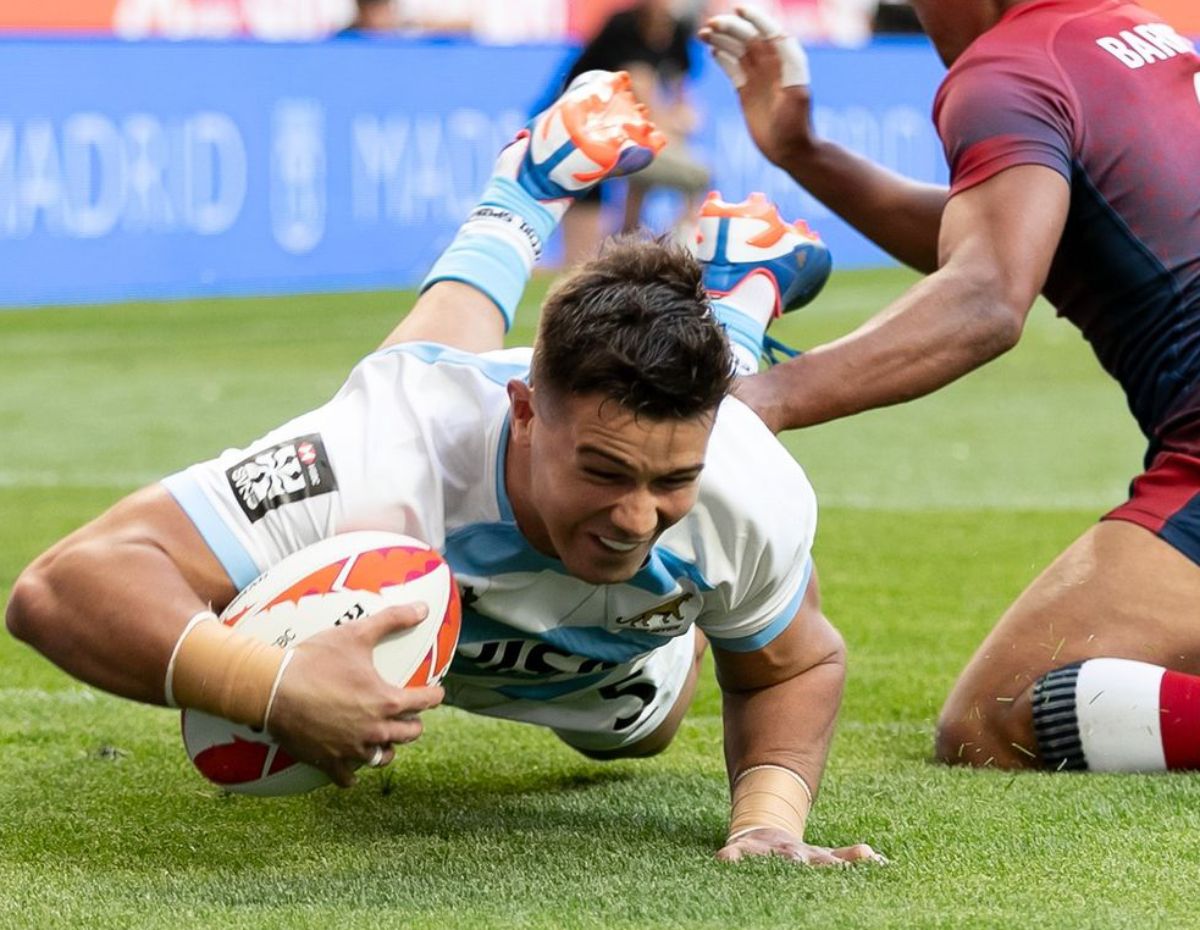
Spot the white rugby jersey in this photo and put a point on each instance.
(414, 443)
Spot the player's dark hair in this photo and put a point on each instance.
(635, 326)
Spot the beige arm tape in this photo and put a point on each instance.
(220, 671)
(769, 797)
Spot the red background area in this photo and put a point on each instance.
(76, 15)
(585, 15)
(1182, 14)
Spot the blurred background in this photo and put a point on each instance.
(174, 148)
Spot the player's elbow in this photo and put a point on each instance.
(1001, 329)
(29, 613)
(992, 318)
(828, 653)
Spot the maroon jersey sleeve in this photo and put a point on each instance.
(1003, 109)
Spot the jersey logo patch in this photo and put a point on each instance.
(290, 471)
(664, 618)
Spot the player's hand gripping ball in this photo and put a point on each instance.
(337, 581)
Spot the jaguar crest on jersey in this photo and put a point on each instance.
(289, 471)
(667, 617)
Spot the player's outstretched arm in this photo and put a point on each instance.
(780, 706)
(110, 605)
(997, 242)
(771, 74)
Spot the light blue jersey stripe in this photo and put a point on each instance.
(589, 642)
(775, 627)
(225, 546)
(483, 550)
(431, 353)
(502, 501)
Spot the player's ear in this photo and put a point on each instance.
(520, 401)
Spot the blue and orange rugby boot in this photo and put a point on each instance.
(757, 267)
(595, 130)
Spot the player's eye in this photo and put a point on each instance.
(604, 476)
(676, 482)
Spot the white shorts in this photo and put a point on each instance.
(628, 704)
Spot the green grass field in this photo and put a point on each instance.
(934, 516)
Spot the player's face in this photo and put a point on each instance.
(603, 484)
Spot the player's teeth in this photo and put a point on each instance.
(618, 546)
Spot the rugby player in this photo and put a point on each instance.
(1072, 130)
(600, 499)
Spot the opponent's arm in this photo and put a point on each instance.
(997, 242)
(780, 706)
(110, 603)
(770, 72)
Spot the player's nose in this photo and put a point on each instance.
(636, 516)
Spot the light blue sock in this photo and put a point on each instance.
(497, 246)
(745, 336)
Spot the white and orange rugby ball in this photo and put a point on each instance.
(338, 580)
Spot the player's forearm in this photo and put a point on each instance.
(900, 215)
(79, 606)
(788, 724)
(944, 327)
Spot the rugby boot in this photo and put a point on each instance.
(759, 265)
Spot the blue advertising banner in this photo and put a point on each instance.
(180, 169)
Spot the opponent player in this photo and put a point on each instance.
(1072, 128)
(598, 502)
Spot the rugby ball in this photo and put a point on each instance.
(336, 581)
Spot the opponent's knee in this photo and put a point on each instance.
(965, 737)
(978, 730)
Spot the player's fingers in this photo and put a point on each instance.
(732, 68)
(378, 755)
(341, 773)
(793, 62)
(734, 26)
(731, 853)
(764, 24)
(860, 853)
(404, 702)
(405, 730)
(823, 859)
(393, 620)
(728, 44)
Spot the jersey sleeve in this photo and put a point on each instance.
(998, 111)
(358, 462)
(775, 591)
(766, 524)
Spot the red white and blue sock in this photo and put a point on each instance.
(1117, 715)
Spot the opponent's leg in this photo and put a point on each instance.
(756, 267)
(595, 130)
(1122, 602)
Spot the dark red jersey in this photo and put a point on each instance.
(1106, 94)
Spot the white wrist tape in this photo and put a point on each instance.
(287, 658)
(779, 768)
(769, 797)
(168, 689)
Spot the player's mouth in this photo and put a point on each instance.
(617, 545)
